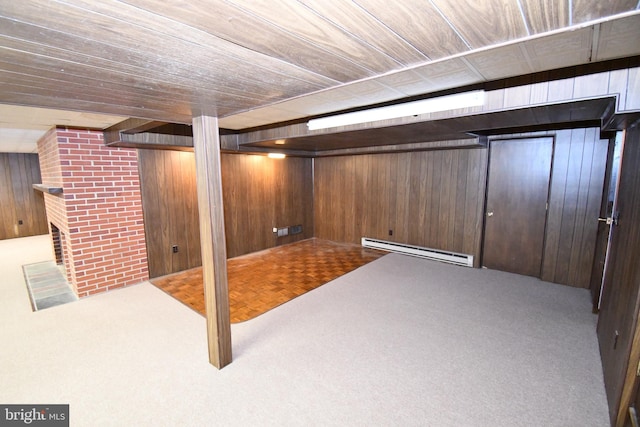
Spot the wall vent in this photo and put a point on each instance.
(434, 254)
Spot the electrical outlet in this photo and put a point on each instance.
(174, 249)
(390, 232)
(19, 222)
(274, 230)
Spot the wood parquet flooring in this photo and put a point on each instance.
(263, 280)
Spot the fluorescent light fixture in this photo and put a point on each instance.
(276, 155)
(431, 105)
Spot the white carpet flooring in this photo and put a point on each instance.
(402, 341)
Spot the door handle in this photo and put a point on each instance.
(609, 220)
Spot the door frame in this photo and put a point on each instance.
(486, 189)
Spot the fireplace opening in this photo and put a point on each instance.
(56, 236)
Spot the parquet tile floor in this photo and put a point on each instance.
(263, 280)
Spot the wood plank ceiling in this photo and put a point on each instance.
(256, 62)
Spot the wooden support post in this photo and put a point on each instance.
(206, 143)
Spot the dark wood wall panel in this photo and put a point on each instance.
(577, 181)
(436, 198)
(618, 318)
(259, 194)
(170, 210)
(19, 202)
(7, 205)
(431, 198)
(262, 193)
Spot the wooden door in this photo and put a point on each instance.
(607, 209)
(618, 333)
(516, 213)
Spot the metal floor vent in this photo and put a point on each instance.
(434, 254)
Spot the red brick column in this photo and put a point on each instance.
(99, 211)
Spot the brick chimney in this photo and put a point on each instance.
(98, 216)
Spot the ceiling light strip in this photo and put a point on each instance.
(431, 105)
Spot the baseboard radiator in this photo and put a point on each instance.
(434, 254)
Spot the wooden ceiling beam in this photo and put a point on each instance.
(125, 131)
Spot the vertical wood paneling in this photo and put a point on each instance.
(38, 218)
(259, 194)
(594, 83)
(170, 210)
(18, 200)
(381, 174)
(191, 208)
(559, 169)
(476, 182)
(574, 202)
(436, 199)
(594, 188)
(426, 198)
(363, 204)
(581, 215)
(461, 196)
(150, 200)
(633, 90)
(433, 201)
(447, 198)
(560, 89)
(570, 205)
(393, 195)
(404, 198)
(419, 213)
(262, 193)
(8, 220)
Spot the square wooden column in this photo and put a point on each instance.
(206, 143)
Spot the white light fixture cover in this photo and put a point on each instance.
(276, 155)
(431, 105)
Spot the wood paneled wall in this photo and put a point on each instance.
(577, 181)
(259, 194)
(431, 198)
(170, 207)
(19, 202)
(262, 193)
(436, 199)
